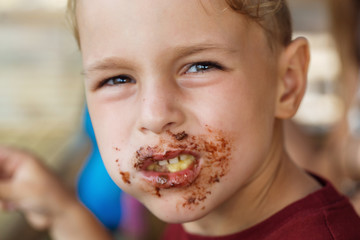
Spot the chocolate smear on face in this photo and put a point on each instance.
(180, 136)
(125, 177)
(117, 149)
(157, 192)
(144, 154)
(214, 151)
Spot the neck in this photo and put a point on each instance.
(277, 184)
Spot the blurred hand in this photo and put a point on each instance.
(27, 185)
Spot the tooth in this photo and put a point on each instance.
(174, 160)
(176, 164)
(186, 156)
(181, 165)
(163, 162)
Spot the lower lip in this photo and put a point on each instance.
(164, 180)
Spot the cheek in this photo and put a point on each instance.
(238, 103)
(246, 110)
(112, 130)
(116, 160)
(112, 122)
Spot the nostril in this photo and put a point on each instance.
(143, 129)
(159, 130)
(168, 126)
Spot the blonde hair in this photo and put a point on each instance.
(272, 15)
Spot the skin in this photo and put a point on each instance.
(154, 53)
(156, 46)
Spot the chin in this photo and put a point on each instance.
(174, 214)
(174, 208)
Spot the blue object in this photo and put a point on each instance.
(96, 189)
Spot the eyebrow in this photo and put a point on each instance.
(107, 63)
(114, 62)
(198, 48)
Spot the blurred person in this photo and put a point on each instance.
(352, 161)
(189, 120)
(334, 153)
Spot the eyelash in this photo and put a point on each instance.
(117, 80)
(200, 67)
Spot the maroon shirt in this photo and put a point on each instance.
(324, 214)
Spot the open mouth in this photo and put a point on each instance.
(173, 165)
(173, 169)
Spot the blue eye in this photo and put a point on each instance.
(203, 67)
(119, 80)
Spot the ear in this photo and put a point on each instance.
(293, 67)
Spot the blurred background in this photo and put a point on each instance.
(41, 95)
(42, 98)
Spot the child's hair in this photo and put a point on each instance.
(272, 15)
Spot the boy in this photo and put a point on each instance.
(187, 100)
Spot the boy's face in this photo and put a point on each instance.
(190, 81)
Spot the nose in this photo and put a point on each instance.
(161, 109)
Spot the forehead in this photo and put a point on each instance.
(144, 26)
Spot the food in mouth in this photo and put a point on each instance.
(188, 163)
(172, 169)
(173, 165)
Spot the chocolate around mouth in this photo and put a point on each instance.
(212, 151)
(149, 155)
(161, 171)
